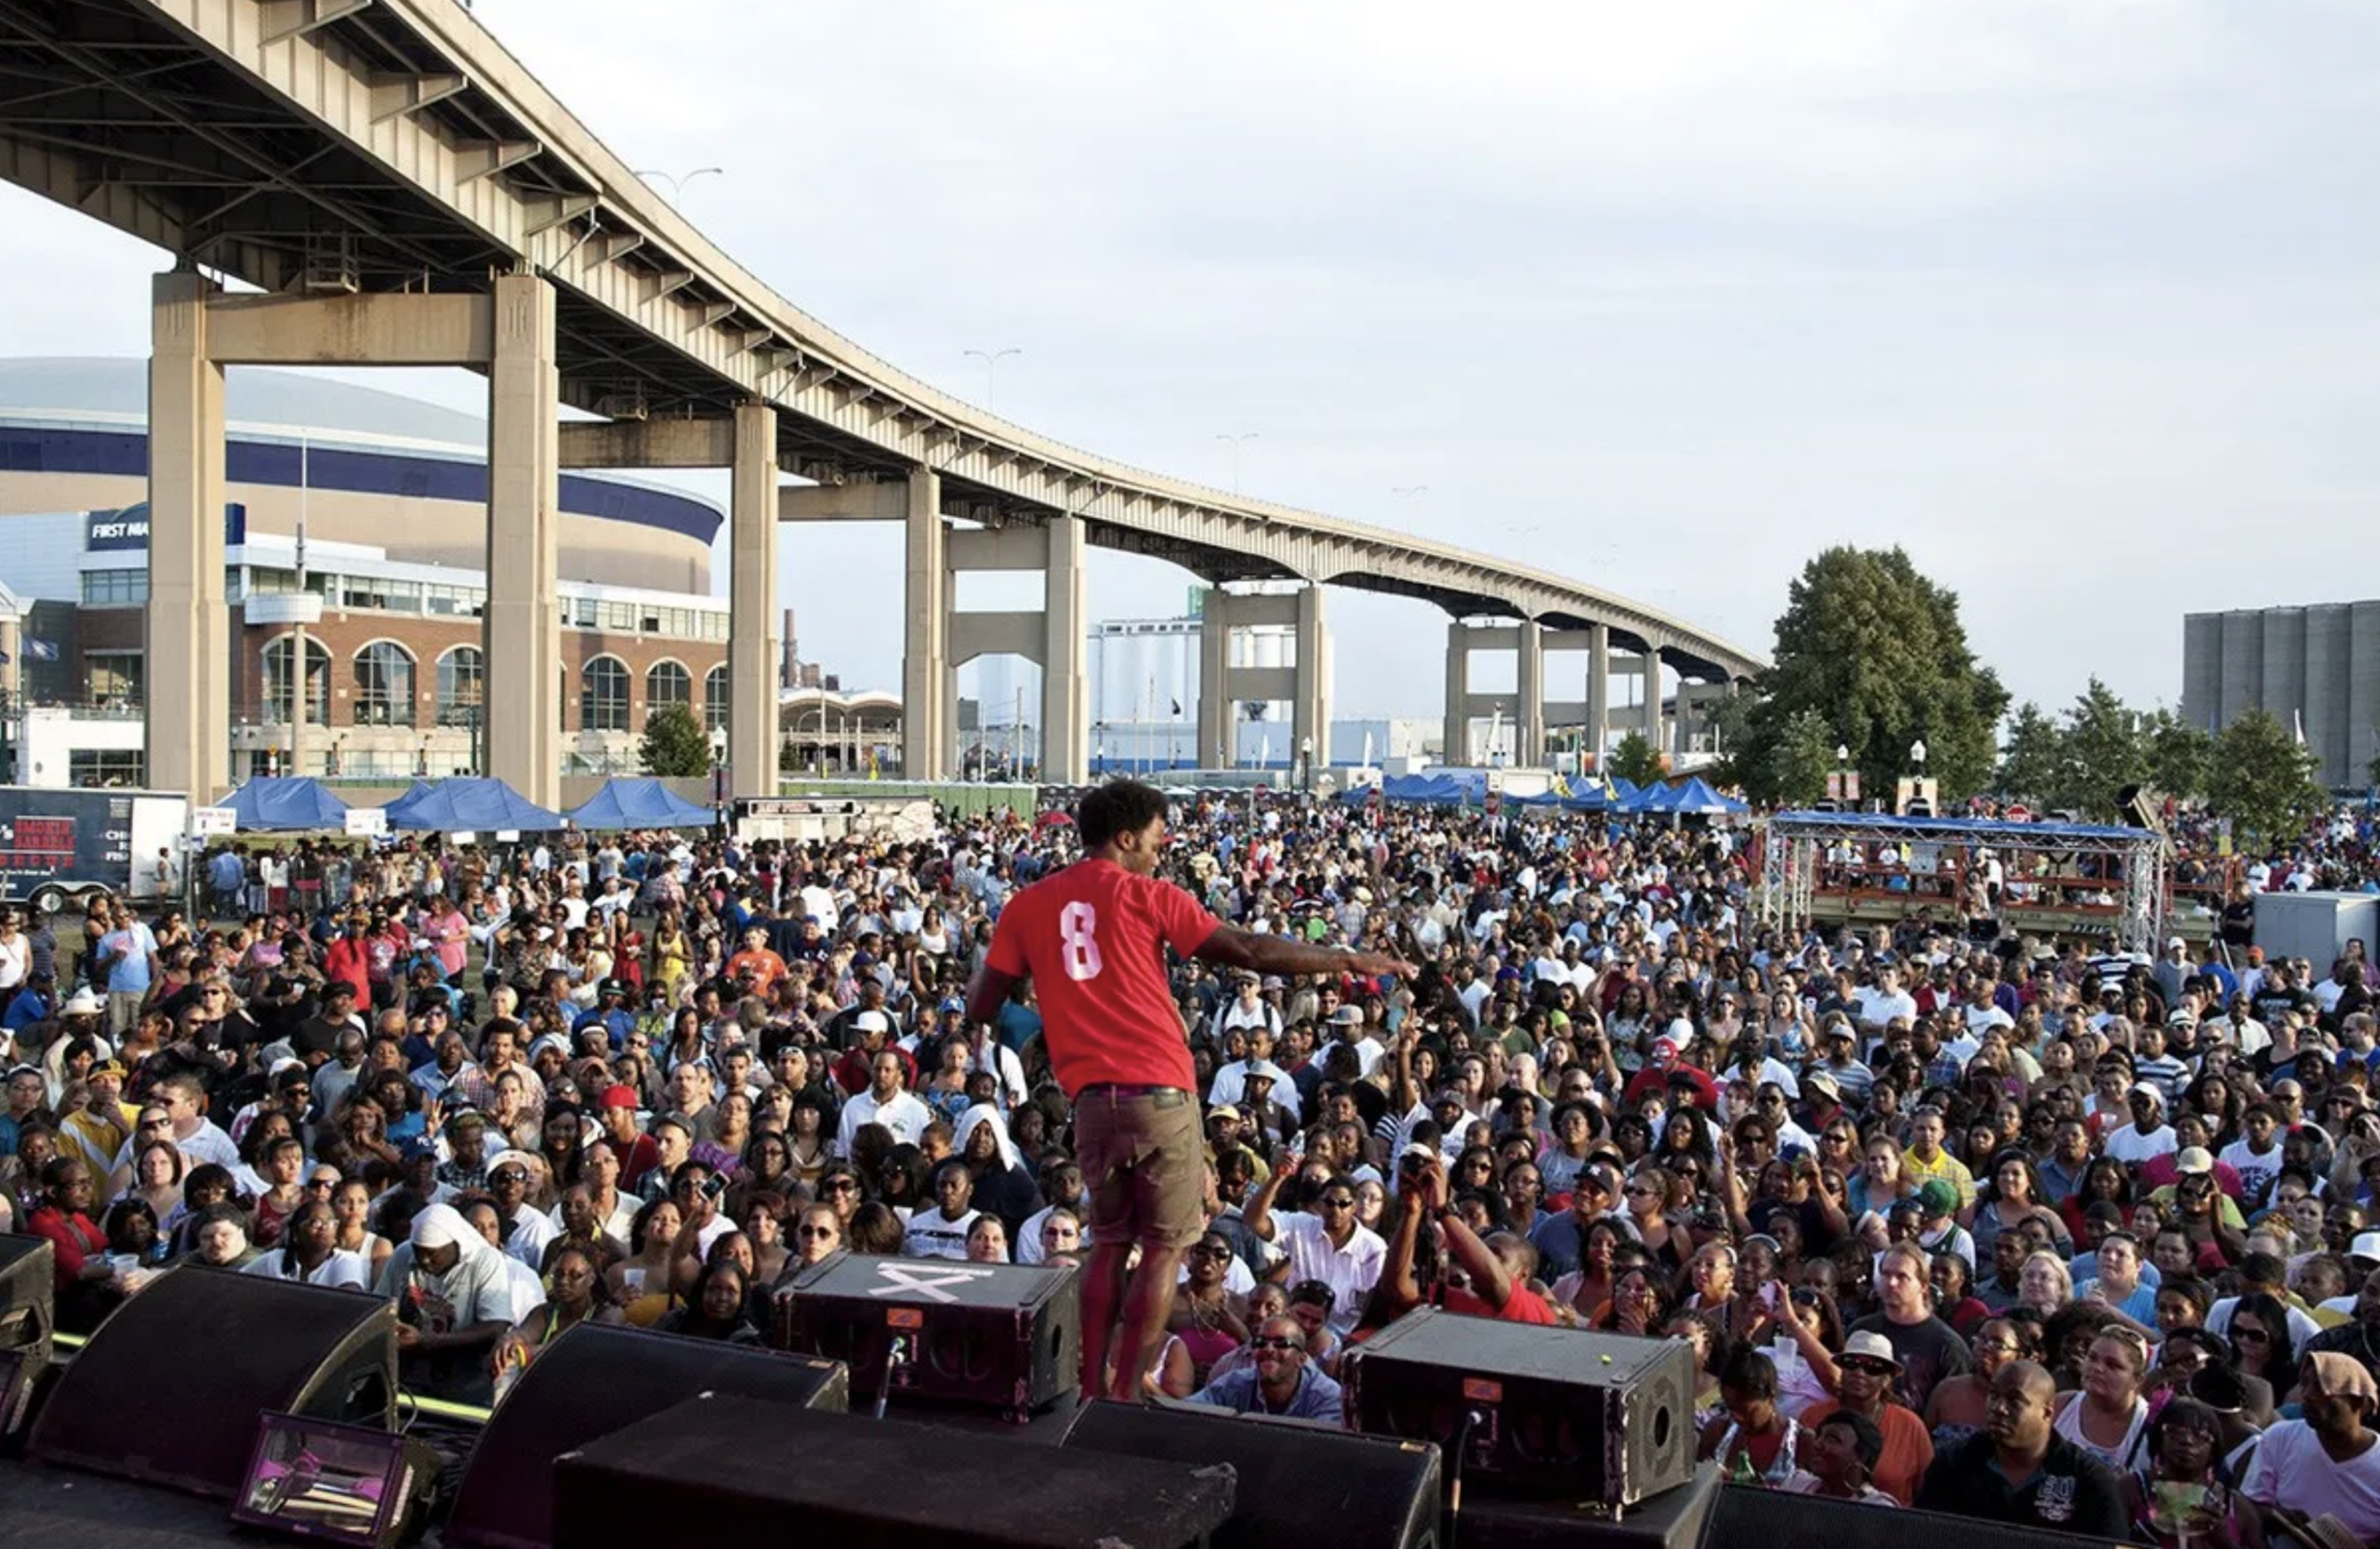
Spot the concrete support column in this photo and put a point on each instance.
(929, 704)
(1529, 718)
(1309, 707)
(523, 629)
(1065, 702)
(1457, 747)
(755, 629)
(188, 662)
(1598, 688)
(1215, 749)
(1649, 712)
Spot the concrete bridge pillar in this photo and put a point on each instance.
(1598, 689)
(523, 628)
(1309, 707)
(188, 659)
(1456, 748)
(929, 704)
(1065, 700)
(1528, 714)
(755, 635)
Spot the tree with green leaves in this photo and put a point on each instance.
(1876, 651)
(2262, 780)
(2032, 759)
(1798, 761)
(2106, 750)
(2181, 756)
(1636, 760)
(674, 743)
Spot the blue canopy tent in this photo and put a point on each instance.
(1697, 798)
(641, 803)
(469, 806)
(286, 804)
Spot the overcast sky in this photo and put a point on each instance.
(2077, 300)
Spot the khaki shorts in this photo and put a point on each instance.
(1143, 1152)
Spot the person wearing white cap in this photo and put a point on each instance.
(2147, 1135)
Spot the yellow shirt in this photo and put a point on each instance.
(1946, 1167)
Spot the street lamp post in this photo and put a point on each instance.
(1235, 444)
(991, 359)
(1305, 764)
(1409, 496)
(678, 180)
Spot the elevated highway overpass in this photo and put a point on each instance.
(400, 190)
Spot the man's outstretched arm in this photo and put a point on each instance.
(1263, 953)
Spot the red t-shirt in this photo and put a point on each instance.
(1523, 1305)
(1089, 937)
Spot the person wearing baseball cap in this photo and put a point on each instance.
(615, 1111)
(1866, 1372)
(97, 1131)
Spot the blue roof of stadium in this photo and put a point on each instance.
(45, 396)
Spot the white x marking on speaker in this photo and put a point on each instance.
(926, 1281)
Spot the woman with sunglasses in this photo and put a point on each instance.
(1645, 1196)
(1955, 1411)
(2263, 1346)
(1205, 1325)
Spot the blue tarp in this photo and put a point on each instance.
(279, 804)
(467, 805)
(638, 803)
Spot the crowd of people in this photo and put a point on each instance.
(2023, 1229)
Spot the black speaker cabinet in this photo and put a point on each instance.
(1746, 1514)
(1005, 1337)
(28, 1295)
(1683, 1518)
(591, 1381)
(1302, 1486)
(743, 1471)
(169, 1387)
(1594, 1417)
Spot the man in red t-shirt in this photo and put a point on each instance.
(1090, 937)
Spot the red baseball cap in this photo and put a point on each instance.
(619, 1098)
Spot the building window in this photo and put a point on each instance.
(114, 587)
(604, 695)
(383, 686)
(106, 766)
(462, 686)
(667, 683)
(280, 660)
(715, 691)
(116, 677)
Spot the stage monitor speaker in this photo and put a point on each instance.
(1301, 1485)
(746, 1472)
(589, 1383)
(169, 1387)
(1005, 1337)
(28, 1294)
(1677, 1519)
(341, 1484)
(1747, 1513)
(1608, 1418)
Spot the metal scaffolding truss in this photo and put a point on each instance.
(2034, 854)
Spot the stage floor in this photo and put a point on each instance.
(54, 1506)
